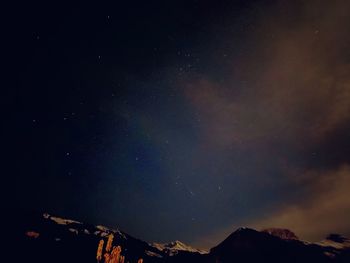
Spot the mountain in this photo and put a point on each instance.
(173, 248)
(281, 233)
(47, 238)
(277, 245)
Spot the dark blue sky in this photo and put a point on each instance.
(183, 119)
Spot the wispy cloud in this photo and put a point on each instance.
(293, 93)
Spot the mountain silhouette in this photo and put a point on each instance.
(47, 238)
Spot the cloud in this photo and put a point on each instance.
(290, 95)
(325, 210)
(294, 88)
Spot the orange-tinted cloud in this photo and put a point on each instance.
(292, 92)
(326, 210)
(297, 85)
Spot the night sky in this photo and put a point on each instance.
(183, 119)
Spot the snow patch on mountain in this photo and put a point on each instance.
(105, 231)
(102, 228)
(98, 230)
(73, 230)
(335, 241)
(61, 221)
(174, 247)
(153, 254)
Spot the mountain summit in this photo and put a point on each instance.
(174, 247)
(281, 233)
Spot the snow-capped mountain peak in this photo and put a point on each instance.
(172, 248)
(62, 221)
(98, 230)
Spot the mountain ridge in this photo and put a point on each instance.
(56, 235)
